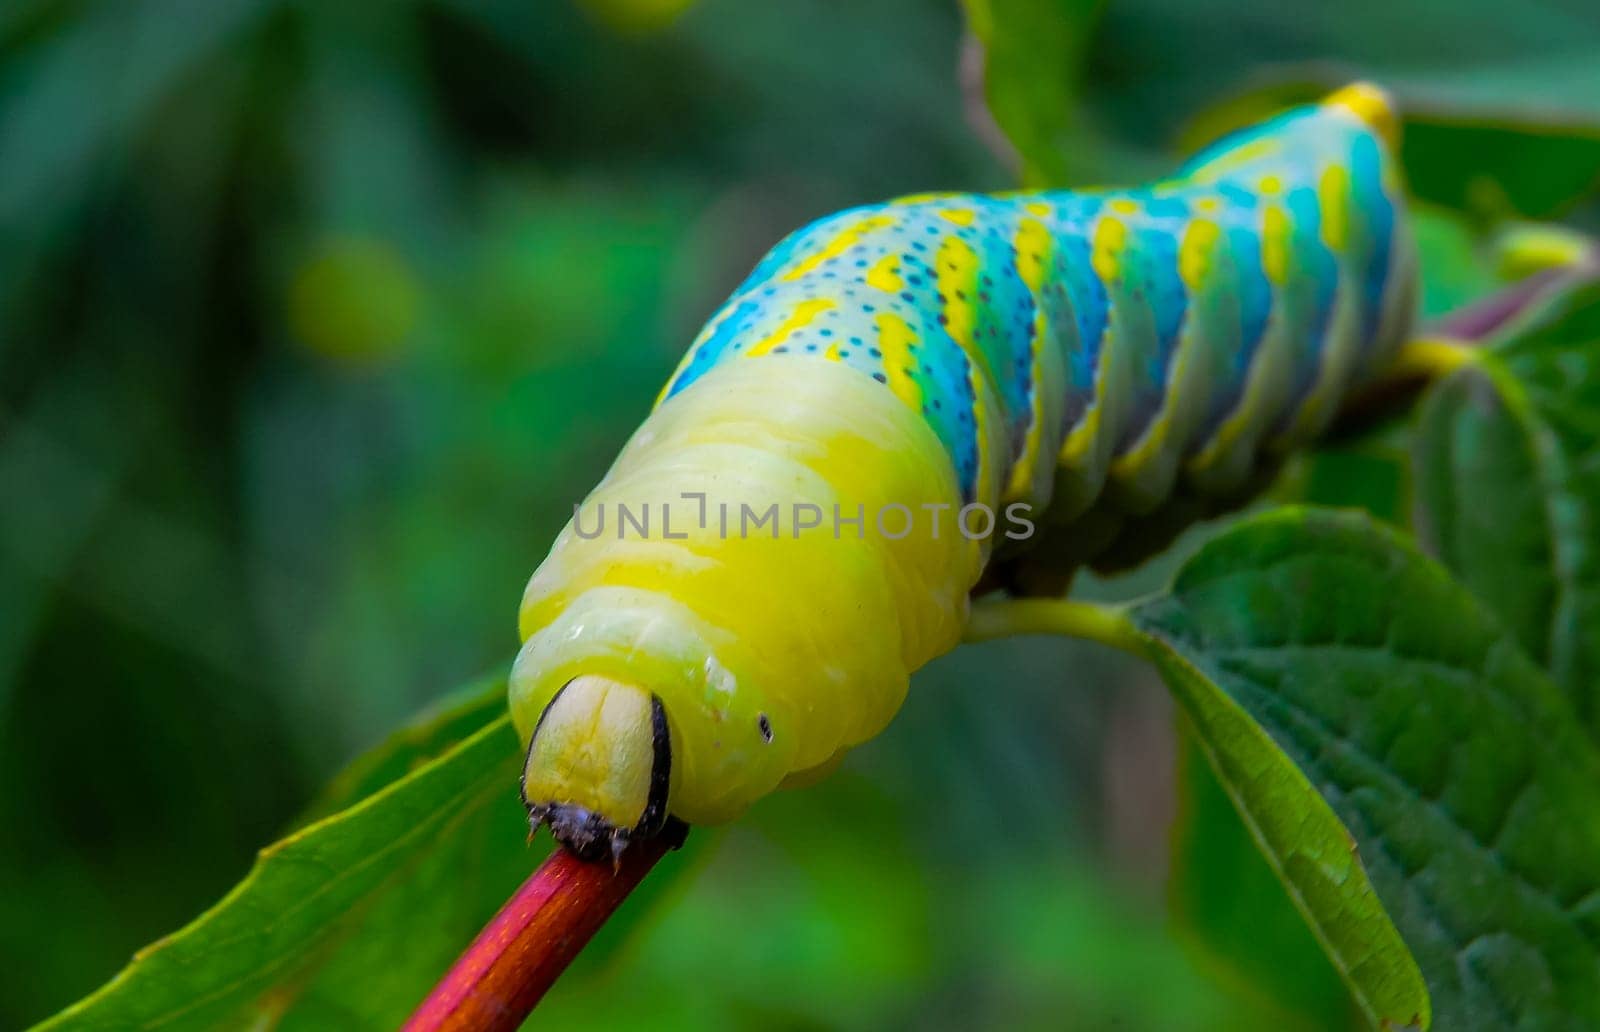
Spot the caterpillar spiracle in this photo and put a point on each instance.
(892, 370)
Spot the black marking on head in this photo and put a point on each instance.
(765, 726)
(655, 808)
(522, 779)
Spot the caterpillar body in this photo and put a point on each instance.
(1082, 357)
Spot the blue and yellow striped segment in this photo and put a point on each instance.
(1189, 320)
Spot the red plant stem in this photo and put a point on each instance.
(523, 950)
(1483, 317)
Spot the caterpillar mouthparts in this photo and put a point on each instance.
(588, 835)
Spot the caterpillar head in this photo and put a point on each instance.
(599, 767)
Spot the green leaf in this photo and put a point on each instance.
(1227, 899)
(348, 921)
(1032, 55)
(1297, 830)
(1507, 460)
(431, 733)
(1340, 680)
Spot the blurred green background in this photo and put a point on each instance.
(316, 318)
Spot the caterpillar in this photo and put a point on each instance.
(801, 520)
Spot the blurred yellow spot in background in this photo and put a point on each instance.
(636, 16)
(353, 300)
